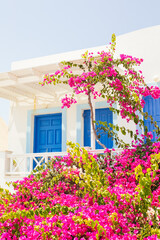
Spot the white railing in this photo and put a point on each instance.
(23, 164)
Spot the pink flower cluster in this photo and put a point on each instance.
(130, 59)
(67, 101)
(49, 206)
(117, 84)
(153, 91)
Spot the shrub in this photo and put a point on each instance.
(85, 196)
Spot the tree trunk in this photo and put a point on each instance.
(92, 121)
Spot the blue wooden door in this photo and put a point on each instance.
(152, 106)
(103, 114)
(48, 133)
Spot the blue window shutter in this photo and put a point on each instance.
(103, 114)
(152, 107)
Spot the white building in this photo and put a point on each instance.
(38, 124)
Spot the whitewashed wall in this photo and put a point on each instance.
(143, 43)
(17, 129)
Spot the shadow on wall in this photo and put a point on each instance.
(3, 136)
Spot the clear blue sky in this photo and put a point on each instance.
(34, 28)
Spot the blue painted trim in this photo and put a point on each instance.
(79, 118)
(34, 133)
(30, 125)
(79, 111)
(138, 113)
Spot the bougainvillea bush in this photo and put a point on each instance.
(113, 78)
(85, 196)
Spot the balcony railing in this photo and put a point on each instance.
(23, 164)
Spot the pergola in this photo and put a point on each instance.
(22, 86)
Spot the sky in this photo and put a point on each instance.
(36, 28)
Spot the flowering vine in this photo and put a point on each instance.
(117, 80)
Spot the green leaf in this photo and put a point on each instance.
(135, 120)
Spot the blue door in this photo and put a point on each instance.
(152, 106)
(103, 114)
(48, 133)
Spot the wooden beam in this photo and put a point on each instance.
(7, 95)
(6, 83)
(12, 77)
(45, 90)
(28, 79)
(21, 92)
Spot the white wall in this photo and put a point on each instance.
(17, 128)
(143, 43)
(71, 124)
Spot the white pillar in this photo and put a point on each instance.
(92, 132)
(4, 167)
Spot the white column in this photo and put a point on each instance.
(4, 167)
(92, 132)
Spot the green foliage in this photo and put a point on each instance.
(5, 196)
(43, 212)
(111, 130)
(144, 197)
(92, 179)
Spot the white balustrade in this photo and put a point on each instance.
(23, 164)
